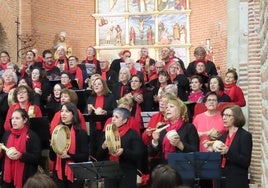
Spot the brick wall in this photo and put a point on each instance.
(263, 35)
(51, 17)
(208, 21)
(8, 15)
(254, 92)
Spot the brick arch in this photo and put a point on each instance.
(8, 16)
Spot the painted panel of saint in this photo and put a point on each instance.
(112, 31)
(172, 29)
(141, 30)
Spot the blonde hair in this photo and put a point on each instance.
(126, 101)
(183, 113)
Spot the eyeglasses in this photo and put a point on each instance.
(227, 115)
(64, 77)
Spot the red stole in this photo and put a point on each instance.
(94, 60)
(123, 129)
(138, 107)
(69, 85)
(67, 170)
(65, 63)
(14, 168)
(48, 67)
(228, 142)
(78, 75)
(167, 147)
(8, 87)
(133, 71)
(4, 65)
(36, 84)
(122, 89)
(104, 73)
(99, 103)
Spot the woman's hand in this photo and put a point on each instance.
(64, 155)
(104, 145)
(89, 108)
(177, 143)
(13, 153)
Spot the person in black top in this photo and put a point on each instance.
(200, 53)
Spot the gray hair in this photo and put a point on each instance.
(14, 75)
(126, 70)
(172, 89)
(123, 112)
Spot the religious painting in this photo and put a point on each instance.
(141, 5)
(172, 29)
(141, 30)
(112, 31)
(172, 5)
(111, 6)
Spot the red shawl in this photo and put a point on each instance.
(99, 103)
(78, 75)
(104, 73)
(14, 168)
(36, 84)
(67, 170)
(94, 60)
(48, 67)
(167, 147)
(228, 142)
(66, 65)
(4, 65)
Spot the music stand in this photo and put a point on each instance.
(88, 171)
(183, 163)
(196, 165)
(85, 171)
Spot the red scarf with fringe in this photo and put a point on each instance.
(122, 131)
(14, 168)
(67, 170)
(167, 147)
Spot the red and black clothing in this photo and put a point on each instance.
(133, 150)
(16, 172)
(210, 69)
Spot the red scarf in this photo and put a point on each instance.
(122, 89)
(220, 93)
(48, 67)
(65, 62)
(36, 84)
(8, 87)
(4, 65)
(133, 71)
(123, 129)
(14, 168)
(200, 60)
(167, 147)
(138, 106)
(99, 103)
(228, 142)
(228, 87)
(69, 85)
(104, 73)
(78, 75)
(94, 60)
(67, 170)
